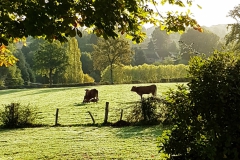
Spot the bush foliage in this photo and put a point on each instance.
(88, 79)
(206, 115)
(146, 111)
(15, 115)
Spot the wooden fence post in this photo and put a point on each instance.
(106, 113)
(121, 114)
(56, 118)
(91, 117)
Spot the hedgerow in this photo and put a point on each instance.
(146, 73)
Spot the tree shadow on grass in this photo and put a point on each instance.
(129, 103)
(84, 104)
(138, 131)
(9, 129)
(36, 90)
(9, 91)
(79, 104)
(49, 90)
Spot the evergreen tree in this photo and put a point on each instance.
(151, 46)
(172, 47)
(22, 66)
(160, 40)
(87, 62)
(140, 57)
(87, 66)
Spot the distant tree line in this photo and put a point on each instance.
(88, 59)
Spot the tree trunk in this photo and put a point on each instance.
(111, 73)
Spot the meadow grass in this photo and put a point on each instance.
(73, 139)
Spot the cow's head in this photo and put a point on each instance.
(134, 88)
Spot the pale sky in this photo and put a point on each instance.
(213, 12)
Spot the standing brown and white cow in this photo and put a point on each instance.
(145, 90)
(91, 95)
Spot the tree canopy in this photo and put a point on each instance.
(59, 19)
(49, 58)
(109, 52)
(205, 43)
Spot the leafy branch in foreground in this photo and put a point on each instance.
(61, 19)
(6, 57)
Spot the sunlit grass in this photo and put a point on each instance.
(79, 143)
(73, 139)
(69, 102)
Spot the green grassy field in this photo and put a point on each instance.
(73, 139)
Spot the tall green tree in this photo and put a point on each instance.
(139, 57)
(22, 66)
(73, 72)
(110, 52)
(49, 58)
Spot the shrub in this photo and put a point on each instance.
(15, 115)
(176, 104)
(88, 79)
(206, 117)
(145, 111)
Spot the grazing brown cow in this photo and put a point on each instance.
(90, 96)
(145, 90)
